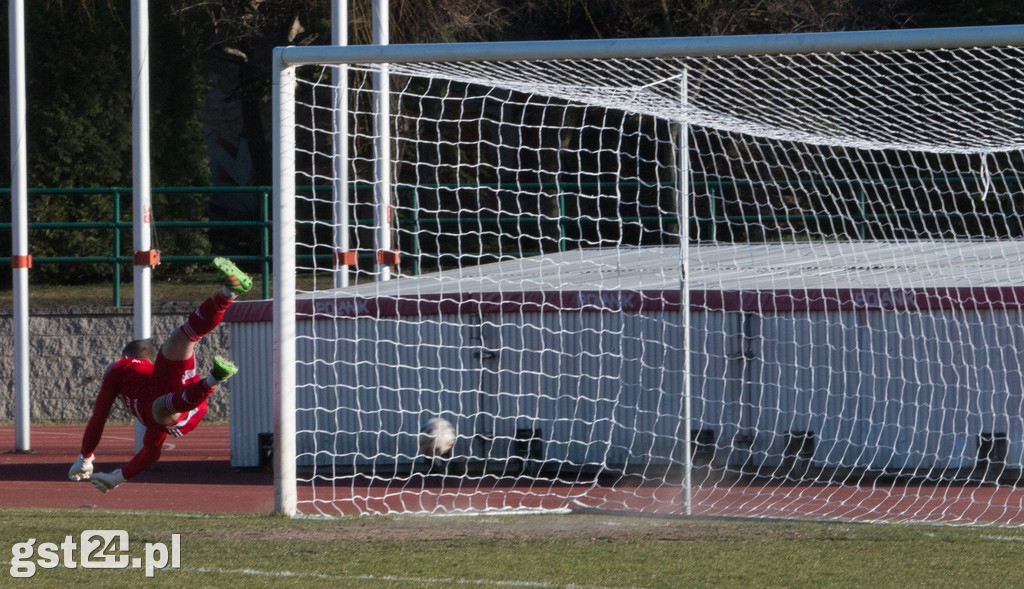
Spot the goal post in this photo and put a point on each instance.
(283, 318)
(767, 276)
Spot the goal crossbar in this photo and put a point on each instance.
(771, 44)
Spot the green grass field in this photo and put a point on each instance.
(575, 550)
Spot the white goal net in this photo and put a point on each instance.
(771, 276)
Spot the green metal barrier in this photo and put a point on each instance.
(122, 229)
(711, 214)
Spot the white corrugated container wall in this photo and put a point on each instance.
(251, 390)
(376, 388)
(600, 388)
(885, 391)
(877, 390)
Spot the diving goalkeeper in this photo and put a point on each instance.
(160, 388)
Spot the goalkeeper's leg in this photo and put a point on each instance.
(181, 343)
(168, 409)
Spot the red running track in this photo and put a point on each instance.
(194, 473)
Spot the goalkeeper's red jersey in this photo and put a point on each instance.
(138, 383)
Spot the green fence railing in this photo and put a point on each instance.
(714, 213)
(121, 229)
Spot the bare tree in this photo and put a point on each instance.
(434, 21)
(579, 19)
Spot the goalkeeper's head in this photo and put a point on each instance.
(139, 348)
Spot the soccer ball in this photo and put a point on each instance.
(437, 437)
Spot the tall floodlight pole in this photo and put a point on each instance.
(382, 187)
(143, 257)
(21, 261)
(344, 257)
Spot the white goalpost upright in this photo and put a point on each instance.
(284, 345)
(682, 187)
(765, 276)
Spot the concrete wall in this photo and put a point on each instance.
(71, 347)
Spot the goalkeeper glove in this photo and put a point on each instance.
(81, 470)
(106, 481)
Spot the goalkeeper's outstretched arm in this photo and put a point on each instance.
(82, 469)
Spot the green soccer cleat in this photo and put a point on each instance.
(236, 280)
(223, 368)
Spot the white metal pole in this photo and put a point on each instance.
(683, 213)
(382, 108)
(342, 220)
(945, 38)
(142, 213)
(20, 259)
(285, 485)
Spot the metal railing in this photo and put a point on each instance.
(705, 227)
(121, 229)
